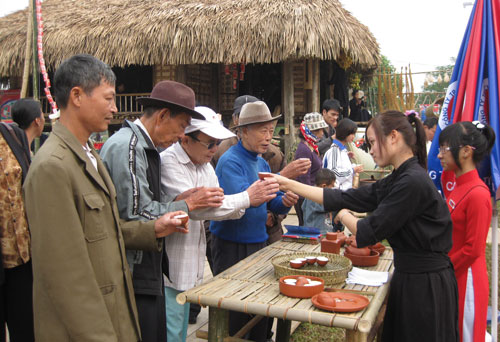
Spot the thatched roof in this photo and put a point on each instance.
(149, 32)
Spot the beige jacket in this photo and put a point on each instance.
(82, 289)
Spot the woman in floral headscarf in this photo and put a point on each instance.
(311, 131)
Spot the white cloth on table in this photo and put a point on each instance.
(364, 277)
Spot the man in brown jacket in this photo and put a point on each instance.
(82, 289)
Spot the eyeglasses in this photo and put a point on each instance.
(207, 145)
(444, 149)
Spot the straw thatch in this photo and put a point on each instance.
(155, 32)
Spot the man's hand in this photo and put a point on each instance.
(205, 198)
(167, 224)
(186, 194)
(289, 199)
(262, 191)
(358, 168)
(296, 168)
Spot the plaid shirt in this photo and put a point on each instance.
(186, 252)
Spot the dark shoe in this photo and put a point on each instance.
(192, 320)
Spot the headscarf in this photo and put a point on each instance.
(309, 137)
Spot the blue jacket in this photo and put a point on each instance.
(237, 169)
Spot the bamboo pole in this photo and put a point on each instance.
(379, 93)
(289, 109)
(315, 86)
(27, 52)
(218, 324)
(412, 96)
(35, 52)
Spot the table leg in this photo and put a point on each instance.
(355, 336)
(283, 330)
(218, 324)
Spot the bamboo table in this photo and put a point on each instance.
(250, 286)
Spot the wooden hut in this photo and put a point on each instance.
(221, 48)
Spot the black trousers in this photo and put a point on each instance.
(16, 300)
(224, 255)
(152, 319)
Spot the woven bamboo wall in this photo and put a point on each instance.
(163, 73)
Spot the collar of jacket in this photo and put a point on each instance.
(143, 137)
(101, 176)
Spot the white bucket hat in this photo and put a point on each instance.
(314, 121)
(211, 126)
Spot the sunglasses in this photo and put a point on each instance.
(207, 145)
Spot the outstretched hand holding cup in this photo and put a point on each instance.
(174, 222)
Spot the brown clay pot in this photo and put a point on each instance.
(366, 261)
(341, 236)
(380, 248)
(331, 236)
(358, 251)
(329, 246)
(300, 291)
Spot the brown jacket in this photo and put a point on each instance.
(82, 289)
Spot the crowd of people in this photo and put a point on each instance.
(94, 248)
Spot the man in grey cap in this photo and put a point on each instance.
(238, 168)
(133, 162)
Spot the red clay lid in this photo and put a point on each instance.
(340, 301)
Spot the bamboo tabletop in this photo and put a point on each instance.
(250, 286)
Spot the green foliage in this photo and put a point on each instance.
(307, 332)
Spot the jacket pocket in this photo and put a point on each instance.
(94, 218)
(109, 295)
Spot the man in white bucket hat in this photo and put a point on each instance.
(187, 166)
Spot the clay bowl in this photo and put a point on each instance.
(311, 260)
(322, 261)
(302, 260)
(331, 236)
(378, 247)
(184, 218)
(296, 264)
(301, 291)
(366, 261)
(263, 175)
(358, 251)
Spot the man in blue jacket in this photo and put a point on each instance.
(237, 169)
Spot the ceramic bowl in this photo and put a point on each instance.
(302, 260)
(311, 260)
(263, 175)
(184, 218)
(366, 261)
(296, 264)
(322, 261)
(298, 291)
